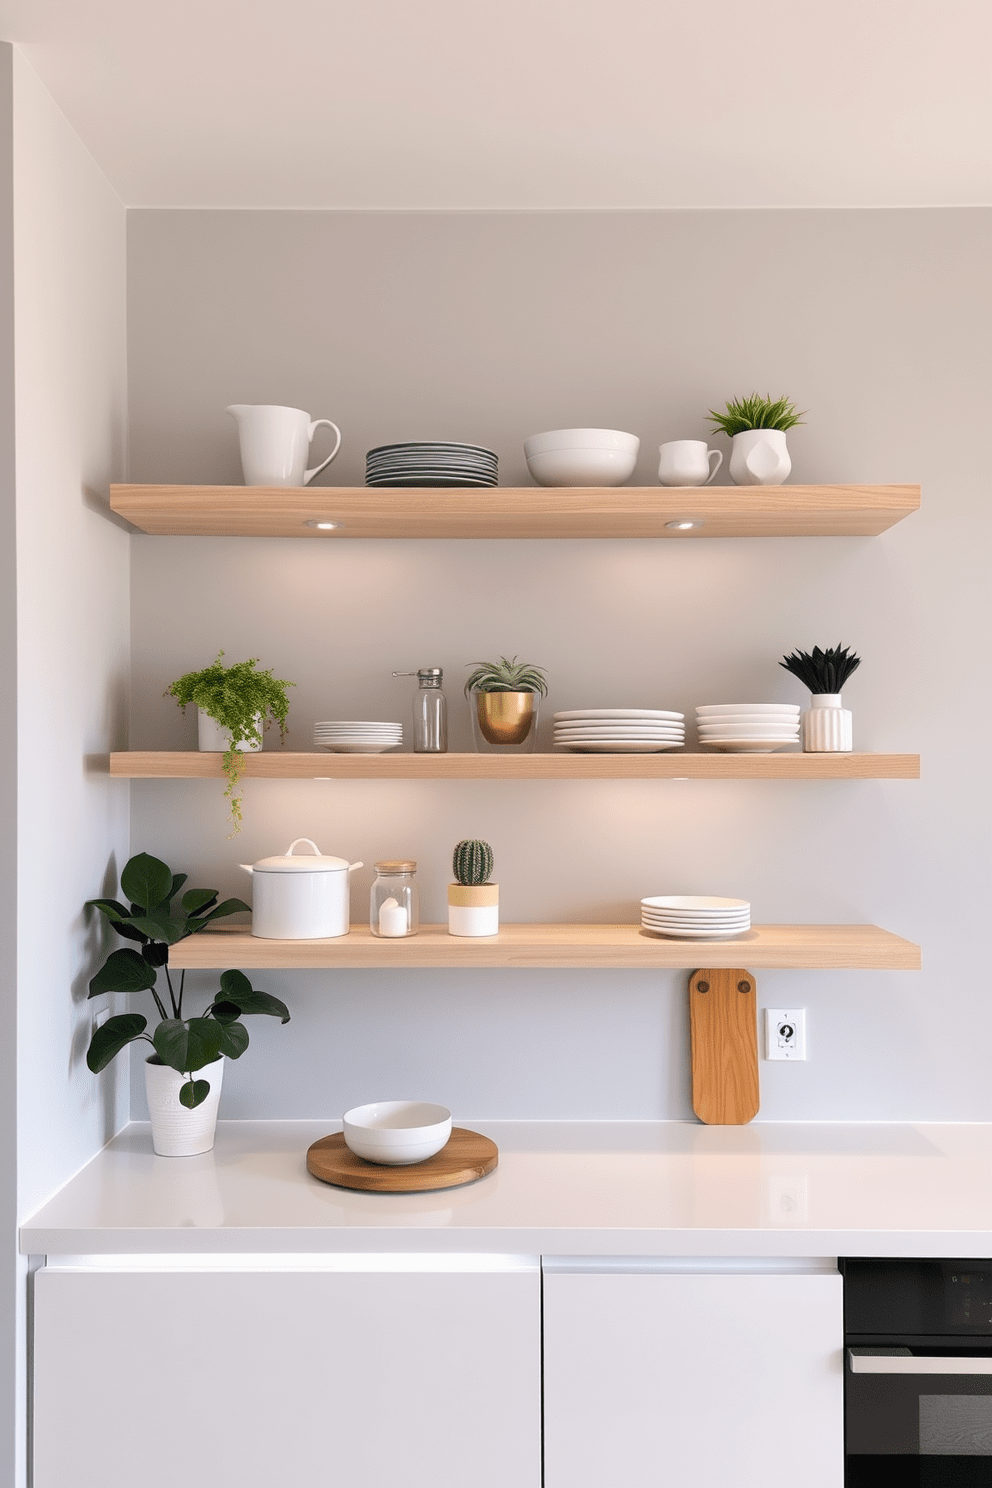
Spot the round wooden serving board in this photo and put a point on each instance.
(466, 1156)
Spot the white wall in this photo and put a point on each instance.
(72, 624)
(489, 327)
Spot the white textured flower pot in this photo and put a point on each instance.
(759, 457)
(177, 1131)
(213, 739)
(828, 728)
(473, 909)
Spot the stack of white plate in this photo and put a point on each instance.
(747, 728)
(435, 464)
(350, 736)
(619, 730)
(695, 917)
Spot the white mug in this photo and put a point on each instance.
(686, 462)
(275, 443)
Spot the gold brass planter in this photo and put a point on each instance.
(506, 718)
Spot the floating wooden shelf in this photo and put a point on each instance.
(505, 511)
(830, 947)
(284, 765)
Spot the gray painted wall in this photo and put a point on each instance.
(489, 328)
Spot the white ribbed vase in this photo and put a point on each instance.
(177, 1131)
(827, 727)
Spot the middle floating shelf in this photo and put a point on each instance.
(160, 764)
(609, 947)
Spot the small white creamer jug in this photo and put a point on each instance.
(275, 444)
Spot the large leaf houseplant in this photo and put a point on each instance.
(153, 919)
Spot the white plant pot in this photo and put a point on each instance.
(473, 909)
(828, 728)
(176, 1130)
(759, 457)
(212, 739)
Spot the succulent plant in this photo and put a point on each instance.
(756, 412)
(472, 862)
(506, 676)
(822, 671)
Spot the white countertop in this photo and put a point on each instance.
(561, 1188)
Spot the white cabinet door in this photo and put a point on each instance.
(682, 1380)
(260, 1379)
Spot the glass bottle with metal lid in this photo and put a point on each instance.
(394, 904)
(430, 711)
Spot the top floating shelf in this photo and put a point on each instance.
(505, 511)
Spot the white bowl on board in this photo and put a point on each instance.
(396, 1132)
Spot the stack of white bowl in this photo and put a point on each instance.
(582, 457)
(695, 916)
(747, 728)
(619, 730)
(350, 736)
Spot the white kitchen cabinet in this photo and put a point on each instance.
(670, 1378)
(395, 1373)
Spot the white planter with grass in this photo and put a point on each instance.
(178, 1131)
(760, 457)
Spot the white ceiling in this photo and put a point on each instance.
(523, 103)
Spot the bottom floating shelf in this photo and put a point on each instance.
(823, 947)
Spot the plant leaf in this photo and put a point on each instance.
(119, 916)
(123, 971)
(113, 1036)
(178, 879)
(238, 990)
(226, 907)
(233, 1038)
(195, 901)
(187, 1046)
(146, 881)
(162, 926)
(194, 1093)
(225, 1012)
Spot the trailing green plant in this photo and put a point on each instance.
(472, 861)
(243, 701)
(506, 676)
(154, 922)
(756, 412)
(822, 671)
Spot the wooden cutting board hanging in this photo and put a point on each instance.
(724, 1026)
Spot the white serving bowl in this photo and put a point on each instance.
(582, 467)
(396, 1132)
(574, 439)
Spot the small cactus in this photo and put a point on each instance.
(472, 862)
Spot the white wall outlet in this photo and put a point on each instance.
(785, 1033)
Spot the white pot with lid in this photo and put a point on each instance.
(300, 897)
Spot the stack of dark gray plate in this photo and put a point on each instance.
(436, 464)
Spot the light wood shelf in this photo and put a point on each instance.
(285, 765)
(620, 947)
(505, 511)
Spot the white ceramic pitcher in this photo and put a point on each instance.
(275, 444)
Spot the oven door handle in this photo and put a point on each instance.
(865, 1363)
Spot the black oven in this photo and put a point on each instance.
(918, 1374)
